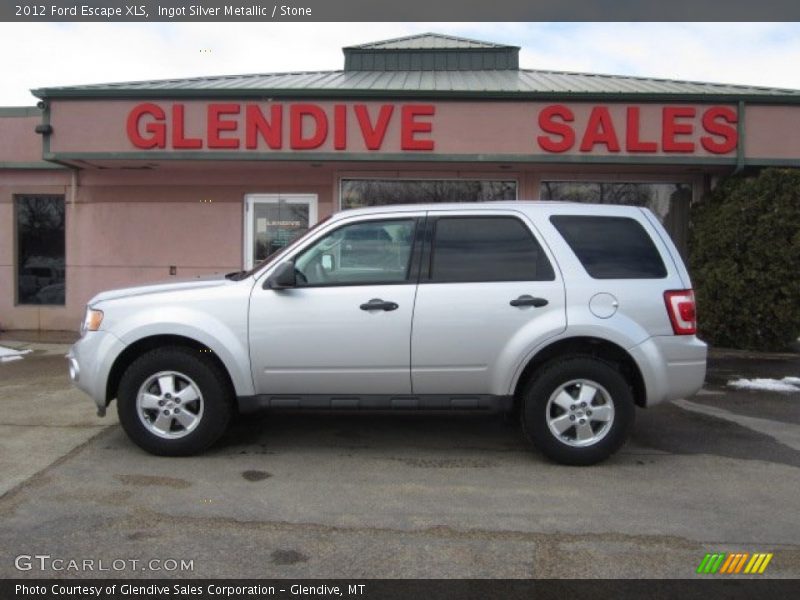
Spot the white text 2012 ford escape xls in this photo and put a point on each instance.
(569, 314)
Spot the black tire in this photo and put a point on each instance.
(216, 399)
(537, 410)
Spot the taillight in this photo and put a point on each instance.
(681, 311)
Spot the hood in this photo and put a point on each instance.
(160, 288)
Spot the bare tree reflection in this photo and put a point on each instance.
(358, 193)
(40, 249)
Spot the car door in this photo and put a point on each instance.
(488, 293)
(345, 327)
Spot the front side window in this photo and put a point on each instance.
(367, 252)
(472, 249)
(40, 249)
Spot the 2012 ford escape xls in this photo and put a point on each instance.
(569, 314)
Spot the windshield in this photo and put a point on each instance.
(238, 275)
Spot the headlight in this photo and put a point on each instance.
(92, 320)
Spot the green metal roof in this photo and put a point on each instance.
(428, 66)
(431, 52)
(523, 83)
(428, 41)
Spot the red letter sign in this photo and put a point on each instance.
(672, 128)
(157, 130)
(600, 130)
(340, 127)
(546, 123)
(179, 140)
(298, 112)
(256, 125)
(373, 136)
(725, 130)
(410, 127)
(217, 125)
(632, 141)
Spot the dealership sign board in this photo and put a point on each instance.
(308, 126)
(471, 129)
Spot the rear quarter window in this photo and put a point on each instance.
(611, 247)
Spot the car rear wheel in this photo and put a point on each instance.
(174, 401)
(578, 411)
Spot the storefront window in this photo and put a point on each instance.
(40, 249)
(276, 225)
(273, 221)
(668, 201)
(378, 192)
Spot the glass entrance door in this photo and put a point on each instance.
(272, 221)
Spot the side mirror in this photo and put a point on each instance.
(283, 277)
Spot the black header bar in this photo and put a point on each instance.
(397, 10)
(730, 588)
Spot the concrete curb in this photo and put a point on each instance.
(37, 348)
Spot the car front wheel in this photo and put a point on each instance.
(174, 401)
(578, 411)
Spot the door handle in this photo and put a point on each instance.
(526, 300)
(378, 304)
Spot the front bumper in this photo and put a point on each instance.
(89, 363)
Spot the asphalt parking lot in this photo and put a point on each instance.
(360, 495)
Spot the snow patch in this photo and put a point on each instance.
(787, 384)
(9, 354)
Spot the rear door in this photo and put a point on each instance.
(488, 293)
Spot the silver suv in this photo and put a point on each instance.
(569, 315)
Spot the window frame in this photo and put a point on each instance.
(412, 270)
(426, 274)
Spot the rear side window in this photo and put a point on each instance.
(486, 249)
(611, 247)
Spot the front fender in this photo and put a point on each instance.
(227, 340)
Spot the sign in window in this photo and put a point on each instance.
(273, 221)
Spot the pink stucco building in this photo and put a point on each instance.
(112, 185)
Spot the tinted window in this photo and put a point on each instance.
(40, 249)
(487, 249)
(611, 247)
(668, 201)
(360, 253)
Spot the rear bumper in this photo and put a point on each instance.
(89, 362)
(672, 366)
